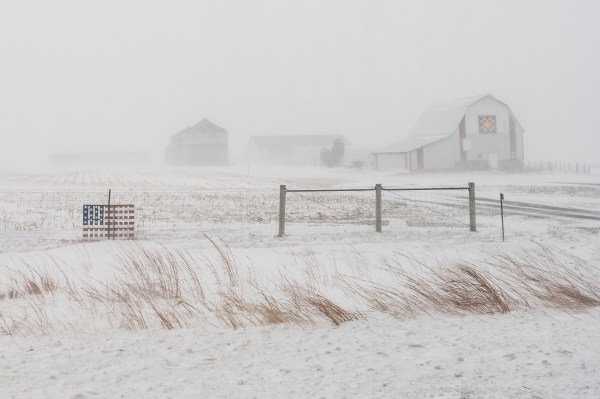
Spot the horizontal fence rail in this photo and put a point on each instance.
(425, 188)
(330, 190)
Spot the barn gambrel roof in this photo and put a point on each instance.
(442, 119)
(438, 122)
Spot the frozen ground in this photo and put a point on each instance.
(510, 356)
(71, 340)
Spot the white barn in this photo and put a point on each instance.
(478, 132)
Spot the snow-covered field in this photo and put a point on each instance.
(208, 302)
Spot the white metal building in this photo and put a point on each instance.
(299, 150)
(478, 132)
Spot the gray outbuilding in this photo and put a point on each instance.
(202, 144)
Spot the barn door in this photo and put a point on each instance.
(462, 136)
(420, 161)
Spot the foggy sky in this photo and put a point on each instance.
(126, 75)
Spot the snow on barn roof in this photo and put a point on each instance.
(436, 123)
(409, 144)
(443, 118)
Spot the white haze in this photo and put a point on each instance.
(126, 75)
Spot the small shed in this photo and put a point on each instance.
(477, 132)
(205, 143)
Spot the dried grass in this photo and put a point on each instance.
(167, 288)
(28, 281)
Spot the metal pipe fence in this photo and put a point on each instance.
(424, 206)
(556, 167)
(45, 218)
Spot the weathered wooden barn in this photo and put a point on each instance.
(299, 150)
(476, 133)
(202, 144)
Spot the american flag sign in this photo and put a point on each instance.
(100, 221)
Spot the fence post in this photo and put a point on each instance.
(378, 208)
(108, 217)
(472, 219)
(282, 191)
(502, 213)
